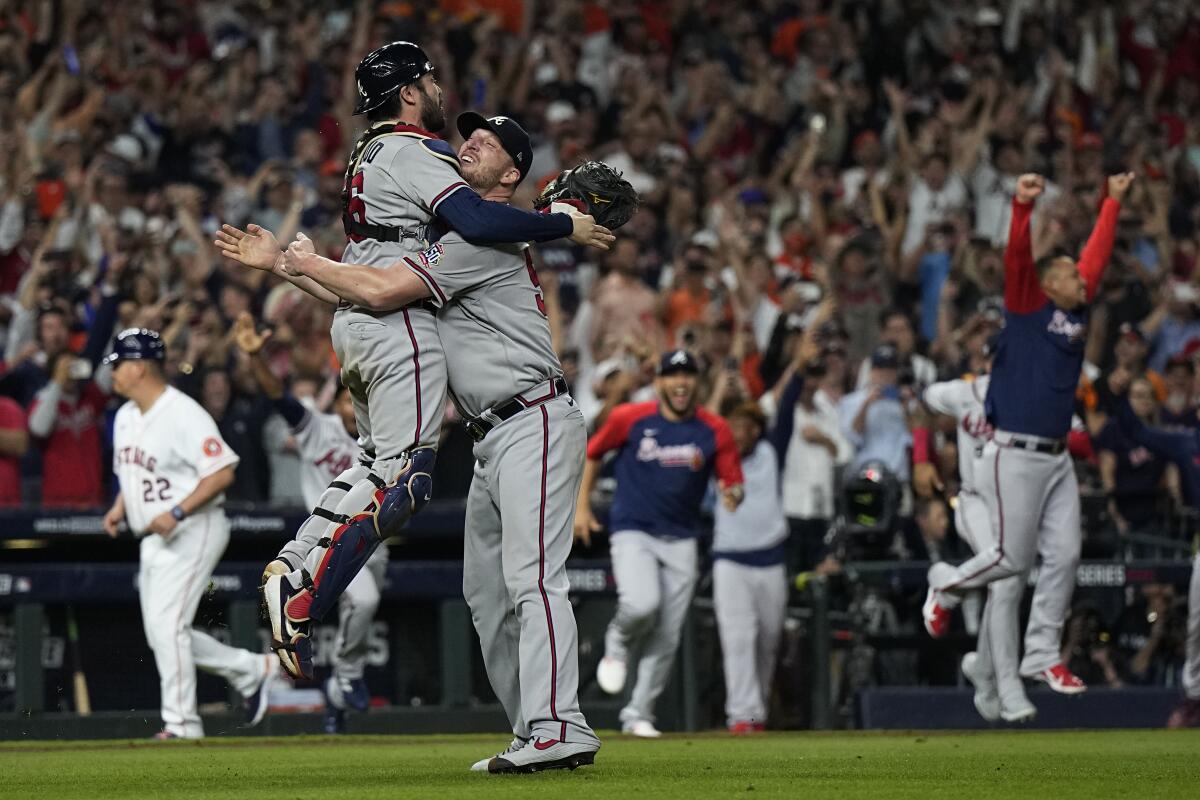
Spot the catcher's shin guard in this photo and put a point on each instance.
(353, 541)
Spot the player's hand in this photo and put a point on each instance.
(298, 253)
(926, 480)
(113, 520)
(248, 340)
(585, 526)
(163, 524)
(276, 567)
(587, 232)
(1118, 185)
(1030, 187)
(732, 496)
(256, 247)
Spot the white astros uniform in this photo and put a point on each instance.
(328, 453)
(159, 458)
(999, 633)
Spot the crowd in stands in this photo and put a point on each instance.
(825, 187)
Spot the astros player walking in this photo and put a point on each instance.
(173, 468)
(1030, 401)
(667, 451)
(530, 438)
(329, 451)
(400, 181)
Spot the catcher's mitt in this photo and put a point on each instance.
(600, 189)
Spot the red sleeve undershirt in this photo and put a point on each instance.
(1099, 246)
(727, 464)
(1022, 293)
(615, 430)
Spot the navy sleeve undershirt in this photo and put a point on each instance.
(485, 222)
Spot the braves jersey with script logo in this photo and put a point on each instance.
(159, 457)
(963, 400)
(663, 467)
(491, 319)
(1040, 353)
(326, 450)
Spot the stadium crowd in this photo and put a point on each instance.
(825, 191)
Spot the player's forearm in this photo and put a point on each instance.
(1099, 246)
(590, 469)
(310, 287)
(207, 489)
(376, 289)
(270, 385)
(1021, 290)
(482, 222)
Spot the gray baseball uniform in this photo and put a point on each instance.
(391, 362)
(521, 505)
(999, 629)
(328, 453)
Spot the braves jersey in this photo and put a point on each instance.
(1040, 353)
(159, 457)
(326, 450)
(491, 319)
(399, 180)
(663, 467)
(963, 400)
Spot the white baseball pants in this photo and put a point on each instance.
(750, 604)
(173, 576)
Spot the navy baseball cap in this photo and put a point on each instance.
(135, 344)
(678, 361)
(513, 137)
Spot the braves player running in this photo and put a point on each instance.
(1030, 400)
(173, 468)
(530, 437)
(667, 452)
(1183, 449)
(402, 186)
(328, 450)
(992, 667)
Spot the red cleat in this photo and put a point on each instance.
(1060, 679)
(744, 728)
(1186, 714)
(937, 617)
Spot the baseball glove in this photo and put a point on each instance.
(595, 188)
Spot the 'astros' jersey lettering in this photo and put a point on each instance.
(963, 400)
(399, 180)
(326, 451)
(491, 319)
(159, 457)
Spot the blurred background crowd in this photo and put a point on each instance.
(825, 186)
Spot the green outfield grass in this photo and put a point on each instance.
(966, 766)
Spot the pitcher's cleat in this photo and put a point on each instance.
(540, 754)
(165, 736)
(939, 607)
(987, 699)
(610, 675)
(1017, 710)
(642, 728)
(258, 701)
(289, 634)
(516, 744)
(1060, 679)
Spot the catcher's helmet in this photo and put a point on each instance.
(384, 71)
(136, 344)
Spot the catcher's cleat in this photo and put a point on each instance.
(289, 631)
(542, 754)
(257, 702)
